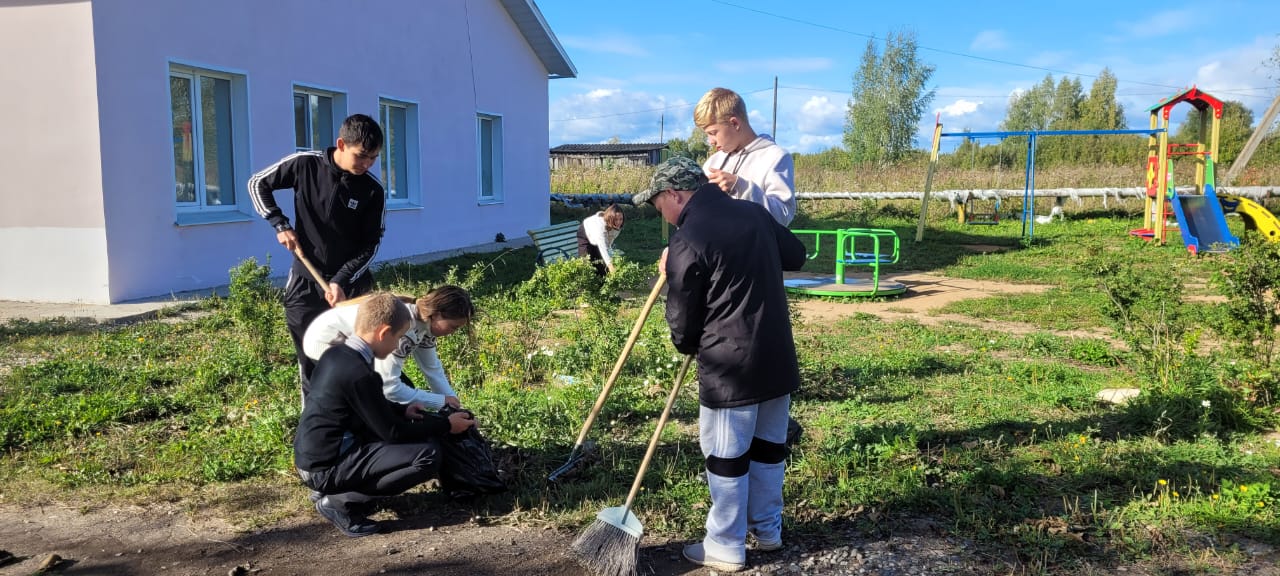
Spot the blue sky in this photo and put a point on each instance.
(642, 63)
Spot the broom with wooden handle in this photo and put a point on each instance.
(577, 456)
(609, 546)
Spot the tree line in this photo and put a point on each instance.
(891, 93)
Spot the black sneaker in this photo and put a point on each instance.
(315, 496)
(349, 525)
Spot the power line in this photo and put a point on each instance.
(649, 111)
(941, 50)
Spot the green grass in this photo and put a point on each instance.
(992, 432)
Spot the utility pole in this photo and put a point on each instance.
(1237, 165)
(662, 124)
(775, 109)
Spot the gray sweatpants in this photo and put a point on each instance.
(751, 501)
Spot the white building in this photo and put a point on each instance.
(114, 190)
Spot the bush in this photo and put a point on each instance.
(254, 305)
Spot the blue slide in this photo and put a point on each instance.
(1203, 225)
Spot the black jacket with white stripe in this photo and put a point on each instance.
(339, 215)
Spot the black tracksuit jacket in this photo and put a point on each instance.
(726, 301)
(339, 215)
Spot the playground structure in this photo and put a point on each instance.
(1028, 216)
(1254, 215)
(1201, 213)
(854, 247)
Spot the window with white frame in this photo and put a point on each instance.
(399, 122)
(316, 113)
(208, 140)
(489, 157)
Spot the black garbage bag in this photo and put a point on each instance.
(467, 467)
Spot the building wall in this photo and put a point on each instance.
(423, 52)
(52, 232)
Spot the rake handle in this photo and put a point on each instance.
(622, 359)
(657, 434)
(297, 252)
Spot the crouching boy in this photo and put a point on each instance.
(394, 448)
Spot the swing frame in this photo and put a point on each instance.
(968, 213)
(1029, 187)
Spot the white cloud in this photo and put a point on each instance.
(989, 41)
(1240, 68)
(811, 143)
(1234, 71)
(775, 65)
(959, 108)
(600, 114)
(819, 114)
(607, 44)
(602, 93)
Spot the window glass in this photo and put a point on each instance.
(184, 175)
(321, 122)
(485, 139)
(301, 131)
(395, 155)
(215, 110)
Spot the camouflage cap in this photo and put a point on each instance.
(677, 173)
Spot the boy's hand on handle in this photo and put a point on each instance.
(453, 401)
(725, 180)
(334, 294)
(288, 239)
(460, 421)
(415, 410)
(662, 263)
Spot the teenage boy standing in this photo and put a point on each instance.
(745, 165)
(338, 210)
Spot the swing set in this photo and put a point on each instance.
(969, 212)
(1029, 183)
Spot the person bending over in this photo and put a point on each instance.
(440, 312)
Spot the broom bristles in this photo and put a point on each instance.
(607, 550)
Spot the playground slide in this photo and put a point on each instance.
(1254, 215)
(1203, 224)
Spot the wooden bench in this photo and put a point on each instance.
(556, 242)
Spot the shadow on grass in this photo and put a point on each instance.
(19, 328)
(1012, 487)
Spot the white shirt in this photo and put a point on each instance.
(599, 234)
(337, 324)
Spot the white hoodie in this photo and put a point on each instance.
(766, 176)
(336, 324)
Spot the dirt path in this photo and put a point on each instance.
(162, 539)
(925, 293)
